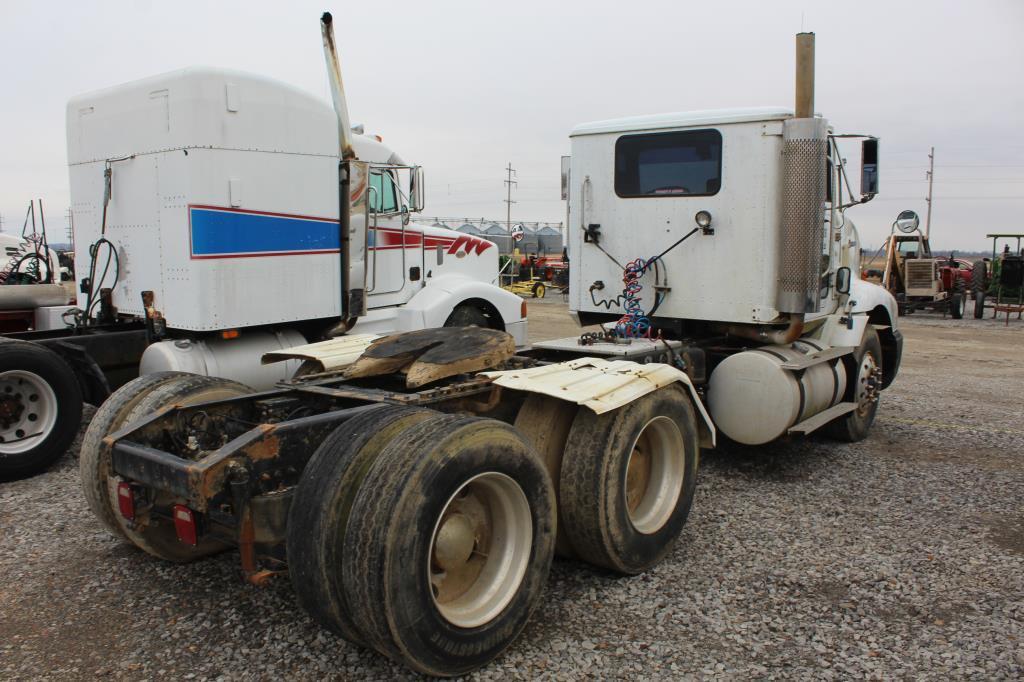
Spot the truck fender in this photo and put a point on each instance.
(431, 305)
(91, 379)
(874, 306)
(602, 385)
(868, 296)
(879, 306)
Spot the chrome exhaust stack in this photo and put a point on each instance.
(804, 174)
(353, 178)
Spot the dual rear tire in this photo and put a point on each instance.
(426, 537)
(625, 479)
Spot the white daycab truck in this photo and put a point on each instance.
(415, 488)
(206, 204)
(764, 290)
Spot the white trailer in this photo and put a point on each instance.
(414, 488)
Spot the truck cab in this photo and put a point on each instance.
(726, 231)
(213, 197)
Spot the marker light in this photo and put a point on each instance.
(126, 500)
(703, 219)
(185, 524)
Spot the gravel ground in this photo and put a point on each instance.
(902, 556)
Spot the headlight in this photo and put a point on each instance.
(703, 219)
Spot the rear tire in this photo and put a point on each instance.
(448, 544)
(156, 536)
(539, 290)
(628, 479)
(978, 274)
(95, 459)
(546, 422)
(40, 408)
(865, 370)
(323, 502)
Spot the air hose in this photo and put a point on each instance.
(635, 323)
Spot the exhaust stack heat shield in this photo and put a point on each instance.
(804, 146)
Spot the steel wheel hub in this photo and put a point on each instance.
(28, 411)
(869, 383)
(654, 475)
(480, 549)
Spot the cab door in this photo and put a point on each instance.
(393, 246)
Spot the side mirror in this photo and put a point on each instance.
(417, 189)
(843, 276)
(907, 221)
(869, 167)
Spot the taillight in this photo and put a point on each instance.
(522, 310)
(126, 500)
(185, 525)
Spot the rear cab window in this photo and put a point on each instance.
(683, 163)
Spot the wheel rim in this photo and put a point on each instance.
(28, 411)
(654, 475)
(480, 549)
(869, 378)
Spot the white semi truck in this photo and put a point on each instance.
(206, 209)
(415, 488)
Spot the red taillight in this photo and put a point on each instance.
(185, 524)
(522, 310)
(126, 500)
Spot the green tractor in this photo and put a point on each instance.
(998, 282)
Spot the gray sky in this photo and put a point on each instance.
(465, 87)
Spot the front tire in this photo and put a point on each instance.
(979, 304)
(865, 369)
(467, 315)
(448, 544)
(40, 408)
(957, 305)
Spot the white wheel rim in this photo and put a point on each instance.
(28, 411)
(654, 475)
(480, 549)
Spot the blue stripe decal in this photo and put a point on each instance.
(237, 233)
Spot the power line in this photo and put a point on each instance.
(961, 165)
(945, 198)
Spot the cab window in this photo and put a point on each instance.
(382, 196)
(685, 163)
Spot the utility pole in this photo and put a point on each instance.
(70, 217)
(508, 201)
(931, 177)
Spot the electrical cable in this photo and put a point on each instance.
(91, 300)
(635, 323)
